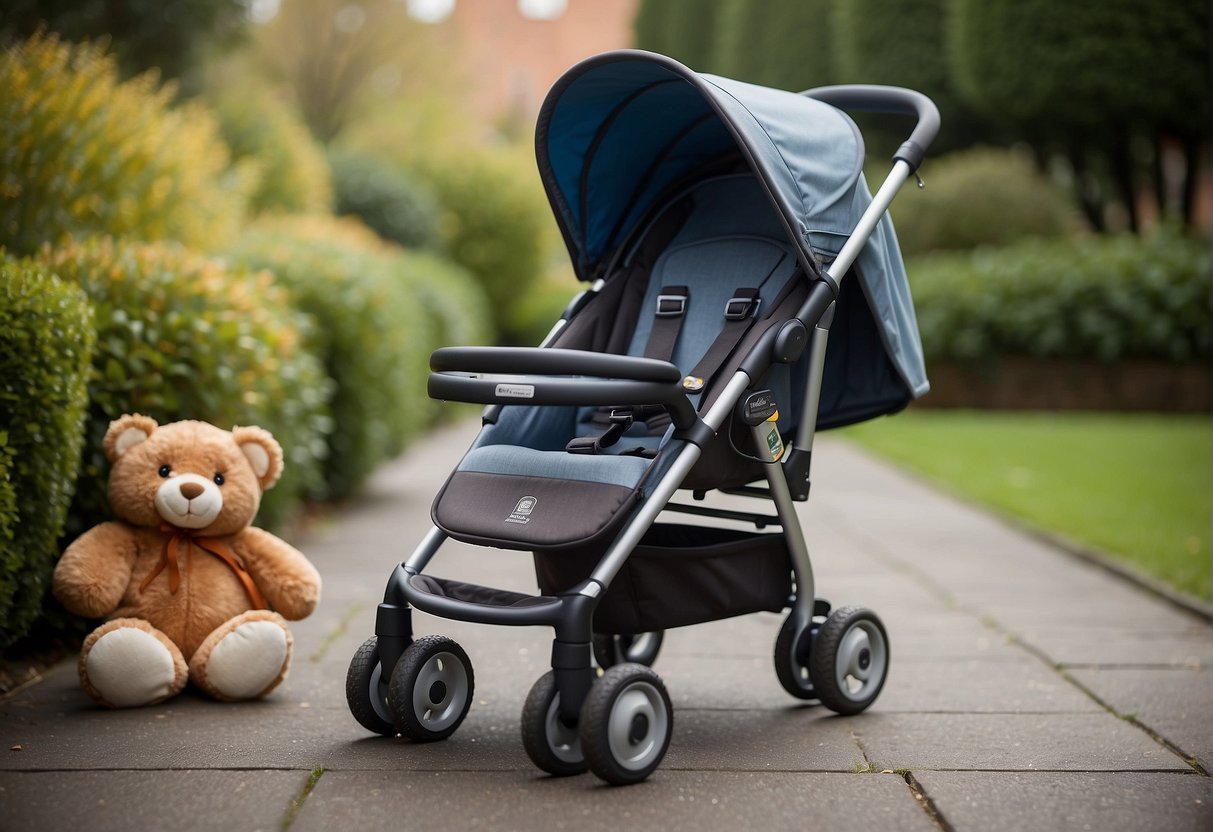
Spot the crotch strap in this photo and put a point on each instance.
(211, 545)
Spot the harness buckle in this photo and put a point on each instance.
(671, 306)
(740, 307)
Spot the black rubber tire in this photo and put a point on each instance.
(834, 653)
(641, 648)
(369, 708)
(421, 710)
(626, 724)
(563, 759)
(791, 670)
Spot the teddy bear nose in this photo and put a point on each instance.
(190, 490)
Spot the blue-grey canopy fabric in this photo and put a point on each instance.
(619, 130)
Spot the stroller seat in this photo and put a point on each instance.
(519, 486)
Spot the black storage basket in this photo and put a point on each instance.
(680, 575)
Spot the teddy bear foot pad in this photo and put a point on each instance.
(245, 658)
(127, 663)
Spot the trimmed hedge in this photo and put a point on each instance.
(496, 222)
(182, 336)
(1107, 298)
(982, 196)
(390, 201)
(85, 153)
(46, 343)
(373, 338)
(292, 172)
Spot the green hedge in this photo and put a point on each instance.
(85, 153)
(982, 196)
(46, 342)
(374, 339)
(496, 222)
(182, 336)
(1103, 297)
(292, 172)
(389, 200)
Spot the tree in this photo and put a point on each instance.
(786, 44)
(170, 35)
(1094, 80)
(682, 29)
(334, 54)
(903, 43)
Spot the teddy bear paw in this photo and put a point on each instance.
(128, 666)
(245, 662)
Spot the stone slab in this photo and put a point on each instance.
(671, 800)
(1010, 742)
(1177, 704)
(126, 801)
(1108, 802)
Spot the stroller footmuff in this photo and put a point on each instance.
(726, 232)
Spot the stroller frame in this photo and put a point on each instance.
(387, 685)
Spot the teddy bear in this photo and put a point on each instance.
(189, 591)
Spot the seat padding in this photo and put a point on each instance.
(558, 465)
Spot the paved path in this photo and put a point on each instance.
(1027, 691)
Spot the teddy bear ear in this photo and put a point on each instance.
(263, 453)
(125, 432)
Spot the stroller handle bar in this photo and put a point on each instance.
(524, 375)
(872, 98)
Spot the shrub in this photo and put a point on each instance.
(374, 340)
(393, 203)
(181, 336)
(1106, 298)
(46, 342)
(979, 197)
(85, 153)
(451, 296)
(496, 221)
(292, 172)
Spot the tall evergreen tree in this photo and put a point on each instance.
(1096, 80)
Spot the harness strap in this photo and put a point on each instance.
(667, 322)
(740, 312)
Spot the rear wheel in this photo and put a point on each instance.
(626, 724)
(850, 660)
(552, 745)
(366, 691)
(792, 650)
(641, 648)
(431, 689)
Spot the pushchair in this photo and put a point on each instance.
(725, 231)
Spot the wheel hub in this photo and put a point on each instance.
(640, 729)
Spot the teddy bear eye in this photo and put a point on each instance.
(218, 479)
(165, 470)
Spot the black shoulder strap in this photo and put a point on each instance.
(739, 315)
(667, 322)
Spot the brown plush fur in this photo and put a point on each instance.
(101, 572)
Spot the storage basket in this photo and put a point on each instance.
(680, 575)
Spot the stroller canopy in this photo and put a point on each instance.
(619, 130)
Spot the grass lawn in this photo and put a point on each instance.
(1136, 487)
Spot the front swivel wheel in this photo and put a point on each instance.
(431, 689)
(850, 660)
(626, 724)
(552, 745)
(366, 691)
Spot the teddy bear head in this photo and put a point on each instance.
(191, 475)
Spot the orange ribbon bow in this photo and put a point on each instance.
(211, 545)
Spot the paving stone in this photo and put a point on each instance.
(1011, 742)
(121, 801)
(1177, 704)
(1191, 648)
(670, 800)
(1108, 802)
